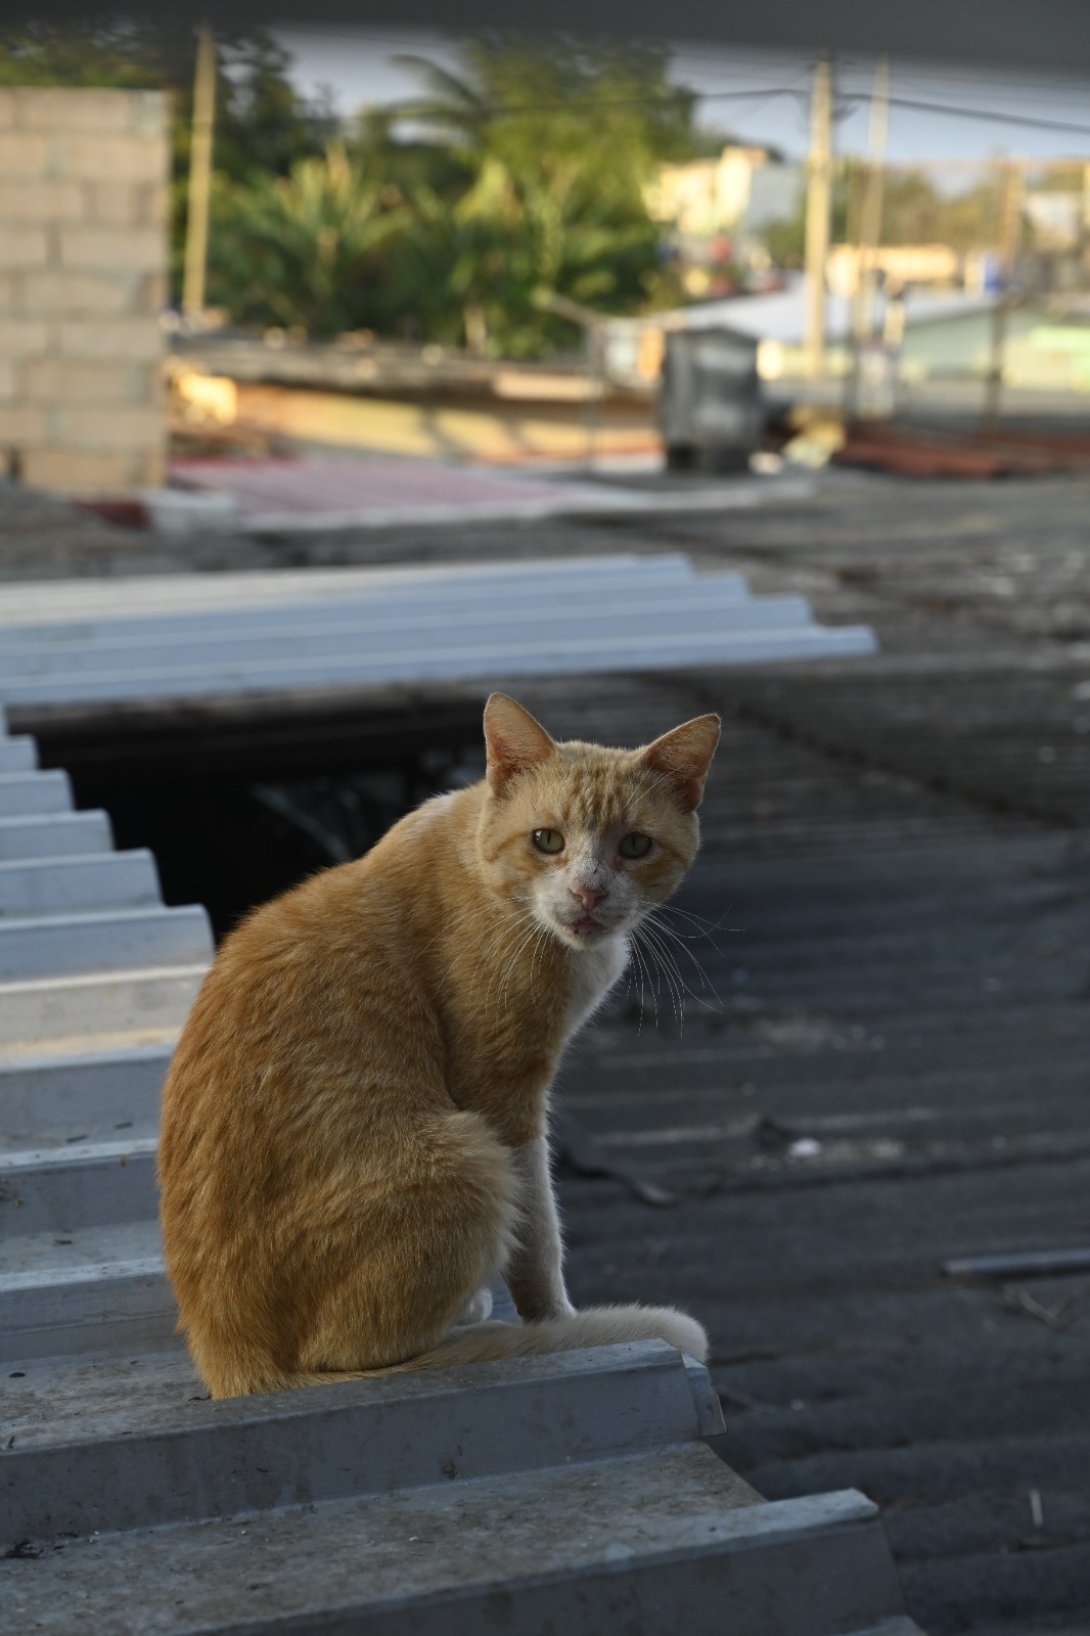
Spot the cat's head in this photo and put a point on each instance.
(585, 838)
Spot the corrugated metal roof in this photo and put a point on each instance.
(905, 1007)
(149, 639)
(781, 315)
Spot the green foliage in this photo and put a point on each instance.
(559, 103)
(914, 211)
(261, 127)
(537, 208)
(127, 56)
(524, 177)
(309, 249)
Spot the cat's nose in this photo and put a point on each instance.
(588, 897)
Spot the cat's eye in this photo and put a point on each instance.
(635, 846)
(548, 840)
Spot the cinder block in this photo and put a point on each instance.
(126, 204)
(72, 108)
(114, 204)
(49, 199)
(23, 423)
(27, 154)
(105, 427)
(130, 158)
(148, 112)
(149, 469)
(147, 384)
(154, 200)
(22, 338)
(78, 471)
(152, 294)
(128, 249)
(51, 381)
(71, 294)
(135, 341)
(23, 247)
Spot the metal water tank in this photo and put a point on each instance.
(710, 412)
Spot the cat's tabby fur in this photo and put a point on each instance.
(354, 1124)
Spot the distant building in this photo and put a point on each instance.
(1060, 221)
(901, 265)
(932, 334)
(925, 334)
(740, 191)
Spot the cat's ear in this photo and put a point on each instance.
(683, 757)
(515, 741)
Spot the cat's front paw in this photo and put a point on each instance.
(539, 1309)
(477, 1308)
(561, 1307)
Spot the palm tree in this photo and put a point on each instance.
(309, 249)
(557, 147)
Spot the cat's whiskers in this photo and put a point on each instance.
(705, 927)
(663, 931)
(652, 969)
(672, 977)
(682, 943)
(644, 972)
(668, 931)
(681, 938)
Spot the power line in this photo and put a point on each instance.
(591, 106)
(990, 80)
(501, 110)
(991, 118)
(1022, 83)
(965, 90)
(408, 108)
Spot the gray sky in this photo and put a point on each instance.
(358, 66)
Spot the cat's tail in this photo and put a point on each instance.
(597, 1326)
(486, 1342)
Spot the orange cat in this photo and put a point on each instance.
(354, 1124)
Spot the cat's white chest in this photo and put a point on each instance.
(594, 972)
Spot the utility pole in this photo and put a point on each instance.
(818, 194)
(200, 175)
(870, 230)
(1010, 222)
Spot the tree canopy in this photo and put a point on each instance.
(517, 175)
(914, 211)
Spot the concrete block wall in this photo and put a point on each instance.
(83, 281)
